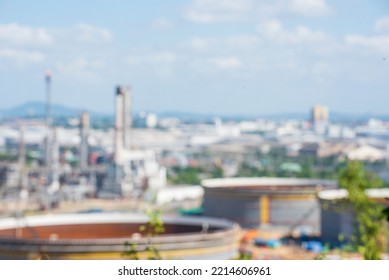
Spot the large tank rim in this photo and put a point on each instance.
(218, 238)
(223, 226)
(268, 184)
(343, 194)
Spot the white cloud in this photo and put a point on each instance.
(374, 43)
(152, 58)
(309, 7)
(211, 11)
(80, 68)
(306, 8)
(198, 43)
(214, 11)
(161, 24)
(382, 25)
(226, 62)
(161, 64)
(16, 34)
(90, 33)
(238, 42)
(243, 41)
(21, 56)
(275, 31)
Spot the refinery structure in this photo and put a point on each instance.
(132, 171)
(75, 191)
(130, 174)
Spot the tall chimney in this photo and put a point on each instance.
(22, 159)
(48, 140)
(119, 124)
(127, 117)
(55, 158)
(84, 133)
(48, 98)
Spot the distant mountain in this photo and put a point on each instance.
(356, 118)
(37, 109)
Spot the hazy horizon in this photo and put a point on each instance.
(30, 106)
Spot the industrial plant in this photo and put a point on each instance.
(225, 190)
(129, 175)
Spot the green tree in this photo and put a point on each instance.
(385, 212)
(368, 214)
(248, 170)
(217, 172)
(307, 170)
(188, 175)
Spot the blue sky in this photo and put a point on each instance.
(207, 56)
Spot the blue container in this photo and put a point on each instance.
(313, 246)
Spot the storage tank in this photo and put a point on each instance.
(105, 235)
(251, 202)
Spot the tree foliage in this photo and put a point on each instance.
(368, 214)
(187, 175)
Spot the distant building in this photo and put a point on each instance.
(151, 120)
(319, 115)
(366, 153)
(309, 149)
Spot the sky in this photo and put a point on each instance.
(205, 56)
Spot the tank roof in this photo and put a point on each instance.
(342, 193)
(265, 181)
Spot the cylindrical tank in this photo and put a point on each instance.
(105, 235)
(251, 202)
(338, 221)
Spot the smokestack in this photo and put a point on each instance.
(48, 98)
(84, 133)
(55, 158)
(48, 142)
(22, 159)
(119, 124)
(127, 117)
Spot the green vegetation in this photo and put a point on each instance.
(247, 170)
(151, 230)
(244, 256)
(279, 164)
(193, 175)
(369, 237)
(8, 157)
(185, 175)
(130, 251)
(385, 212)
